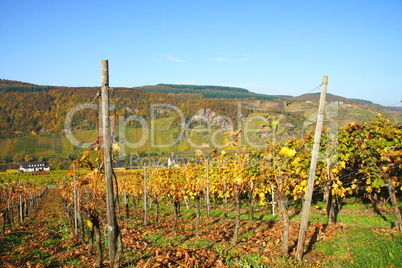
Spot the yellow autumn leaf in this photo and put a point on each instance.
(89, 223)
(239, 180)
(287, 152)
(341, 164)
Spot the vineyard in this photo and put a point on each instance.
(18, 200)
(20, 193)
(227, 209)
(44, 178)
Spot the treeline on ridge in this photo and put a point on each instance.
(202, 87)
(218, 94)
(26, 88)
(10, 85)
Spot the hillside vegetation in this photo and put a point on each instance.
(27, 111)
(211, 91)
(33, 117)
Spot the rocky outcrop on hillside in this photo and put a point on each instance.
(207, 116)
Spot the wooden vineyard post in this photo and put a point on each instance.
(394, 202)
(273, 201)
(207, 195)
(21, 209)
(145, 196)
(114, 237)
(75, 205)
(311, 176)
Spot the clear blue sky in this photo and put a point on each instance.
(271, 47)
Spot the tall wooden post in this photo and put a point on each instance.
(75, 205)
(114, 238)
(311, 176)
(145, 196)
(207, 193)
(273, 201)
(21, 210)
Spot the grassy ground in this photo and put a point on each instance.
(362, 247)
(361, 238)
(42, 240)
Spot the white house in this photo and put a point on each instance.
(34, 166)
(176, 161)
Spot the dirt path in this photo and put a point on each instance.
(42, 240)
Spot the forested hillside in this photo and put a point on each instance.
(33, 117)
(29, 109)
(211, 91)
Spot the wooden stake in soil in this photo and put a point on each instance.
(311, 176)
(75, 205)
(207, 193)
(114, 237)
(145, 196)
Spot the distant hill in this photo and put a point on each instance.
(5, 82)
(203, 91)
(329, 98)
(27, 108)
(217, 92)
(32, 116)
(10, 85)
(203, 87)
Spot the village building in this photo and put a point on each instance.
(34, 166)
(176, 161)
